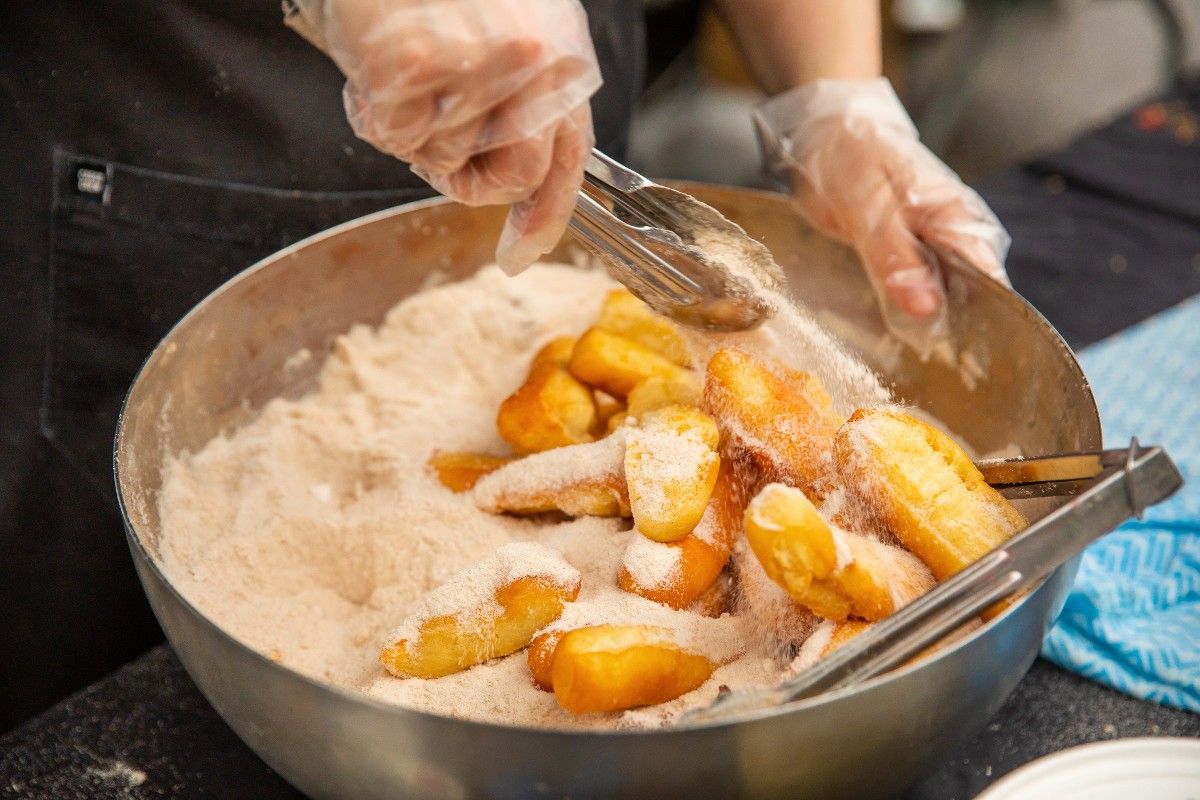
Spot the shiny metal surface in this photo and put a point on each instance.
(1059, 475)
(1036, 469)
(1052, 467)
(1020, 387)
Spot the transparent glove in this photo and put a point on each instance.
(486, 99)
(861, 175)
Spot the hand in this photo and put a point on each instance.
(862, 176)
(486, 99)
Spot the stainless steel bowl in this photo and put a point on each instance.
(229, 356)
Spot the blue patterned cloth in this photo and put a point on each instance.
(1132, 620)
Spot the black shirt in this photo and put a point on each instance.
(150, 149)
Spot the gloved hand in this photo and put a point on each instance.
(486, 99)
(861, 175)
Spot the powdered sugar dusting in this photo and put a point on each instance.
(812, 650)
(598, 553)
(313, 530)
(780, 623)
(834, 504)
(470, 595)
(804, 345)
(651, 564)
(791, 335)
(593, 462)
(709, 527)
(667, 458)
(841, 546)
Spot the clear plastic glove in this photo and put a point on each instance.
(861, 175)
(486, 99)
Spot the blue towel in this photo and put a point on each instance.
(1132, 620)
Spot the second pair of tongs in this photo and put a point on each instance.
(1058, 475)
(1127, 482)
(681, 256)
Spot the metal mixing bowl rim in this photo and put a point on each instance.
(355, 696)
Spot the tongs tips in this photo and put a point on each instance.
(1122, 483)
(681, 256)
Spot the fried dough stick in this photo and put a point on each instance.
(924, 488)
(489, 610)
(627, 316)
(604, 668)
(552, 408)
(780, 421)
(616, 365)
(671, 467)
(578, 480)
(834, 573)
(695, 561)
(459, 472)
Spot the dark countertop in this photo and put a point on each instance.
(1105, 234)
(147, 732)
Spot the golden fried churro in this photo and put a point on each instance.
(678, 574)
(834, 573)
(924, 488)
(459, 472)
(717, 599)
(616, 420)
(780, 420)
(552, 408)
(540, 656)
(555, 353)
(486, 611)
(626, 315)
(578, 480)
(789, 538)
(607, 407)
(880, 578)
(615, 667)
(671, 467)
(660, 391)
(616, 364)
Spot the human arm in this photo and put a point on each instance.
(839, 135)
(789, 43)
(488, 101)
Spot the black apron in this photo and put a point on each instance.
(149, 150)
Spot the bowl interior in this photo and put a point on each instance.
(265, 334)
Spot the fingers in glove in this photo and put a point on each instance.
(456, 89)
(507, 122)
(905, 274)
(426, 78)
(510, 171)
(551, 95)
(449, 151)
(507, 174)
(967, 229)
(535, 226)
(390, 128)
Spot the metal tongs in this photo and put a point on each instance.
(1062, 474)
(1119, 484)
(679, 255)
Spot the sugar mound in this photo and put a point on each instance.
(315, 529)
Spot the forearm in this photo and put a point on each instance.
(791, 42)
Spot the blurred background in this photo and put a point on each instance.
(988, 82)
